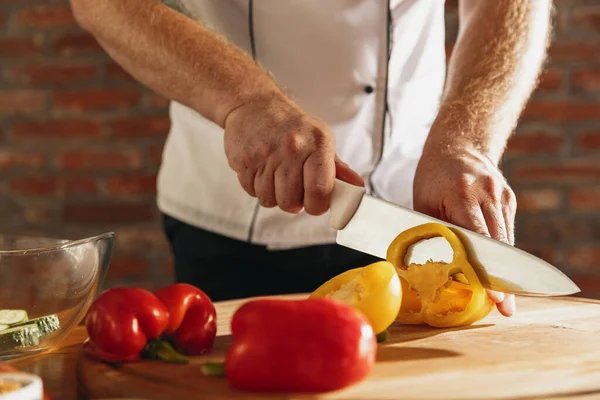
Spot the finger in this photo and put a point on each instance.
(494, 219)
(509, 210)
(347, 174)
(497, 297)
(246, 180)
(467, 214)
(264, 184)
(289, 188)
(508, 306)
(509, 223)
(319, 178)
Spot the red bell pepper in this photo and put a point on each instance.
(123, 322)
(192, 318)
(128, 324)
(311, 345)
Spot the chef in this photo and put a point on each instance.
(272, 100)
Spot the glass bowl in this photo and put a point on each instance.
(54, 281)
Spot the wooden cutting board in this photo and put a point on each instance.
(549, 349)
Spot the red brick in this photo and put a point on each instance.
(111, 212)
(562, 111)
(148, 284)
(18, 102)
(98, 159)
(557, 230)
(589, 141)
(587, 16)
(39, 214)
(128, 185)
(21, 159)
(587, 80)
(53, 74)
(33, 186)
(57, 129)
(71, 44)
(585, 258)
(141, 127)
(588, 283)
(535, 200)
(569, 171)
(17, 46)
(573, 51)
(99, 99)
(525, 143)
(116, 72)
(550, 80)
(155, 154)
(45, 16)
(53, 186)
(585, 198)
(137, 241)
(128, 268)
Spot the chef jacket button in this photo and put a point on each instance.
(368, 89)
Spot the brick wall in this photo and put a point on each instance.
(81, 141)
(81, 144)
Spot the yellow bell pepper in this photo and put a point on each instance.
(436, 293)
(373, 290)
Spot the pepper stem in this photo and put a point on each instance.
(162, 350)
(213, 369)
(383, 336)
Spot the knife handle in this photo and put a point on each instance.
(345, 199)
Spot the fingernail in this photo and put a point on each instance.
(509, 307)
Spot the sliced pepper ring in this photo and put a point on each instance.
(436, 293)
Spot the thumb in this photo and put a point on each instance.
(345, 173)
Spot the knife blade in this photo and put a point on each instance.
(368, 224)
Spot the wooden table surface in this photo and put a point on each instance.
(555, 337)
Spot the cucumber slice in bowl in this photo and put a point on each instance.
(10, 317)
(46, 324)
(21, 336)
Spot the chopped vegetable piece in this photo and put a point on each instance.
(20, 336)
(430, 295)
(373, 290)
(3, 327)
(46, 324)
(9, 317)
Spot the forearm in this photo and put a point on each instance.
(174, 55)
(492, 72)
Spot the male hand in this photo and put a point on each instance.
(467, 189)
(283, 156)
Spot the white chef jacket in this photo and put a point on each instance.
(373, 70)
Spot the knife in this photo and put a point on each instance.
(369, 224)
